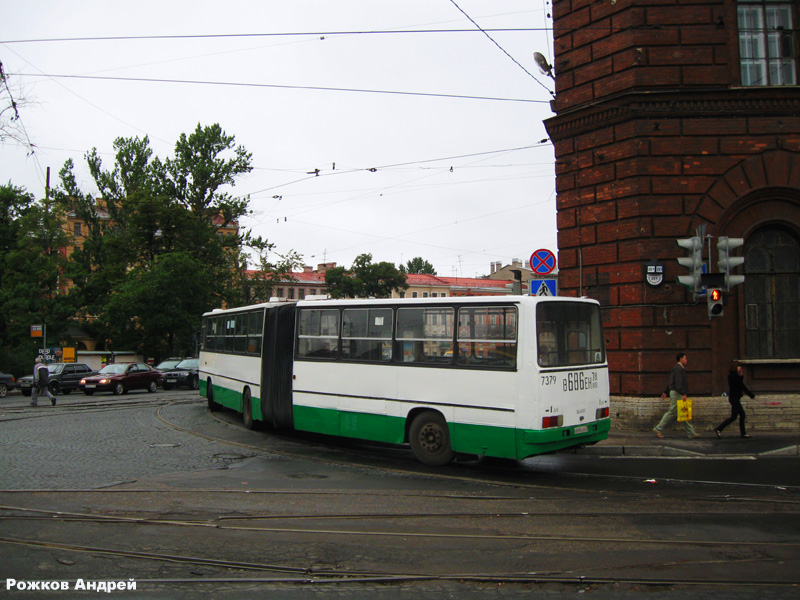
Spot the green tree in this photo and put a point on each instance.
(145, 313)
(31, 280)
(154, 218)
(418, 266)
(365, 279)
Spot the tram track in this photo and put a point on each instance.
(313, 575)
(22, 413)
(315, 536)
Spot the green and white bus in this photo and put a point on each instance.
(501, 376)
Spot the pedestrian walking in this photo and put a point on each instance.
(736, 389)
(41, 378)
(677, 388)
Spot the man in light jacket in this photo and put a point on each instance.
(677, 388)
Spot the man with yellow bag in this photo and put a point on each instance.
(677, 388)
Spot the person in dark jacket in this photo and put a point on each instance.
(736, 389)
(677, 388)
(40, 380)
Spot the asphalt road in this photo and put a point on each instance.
(154, 489)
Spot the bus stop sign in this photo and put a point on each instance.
(543, 262)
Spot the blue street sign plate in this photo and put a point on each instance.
(543, 262)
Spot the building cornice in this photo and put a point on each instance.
(676, 104)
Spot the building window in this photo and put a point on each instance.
(772, 295)
(767, 46)
(77, 229)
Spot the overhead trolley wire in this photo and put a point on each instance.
(279, 86)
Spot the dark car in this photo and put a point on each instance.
(183, 375)
(168, 364)
(62, 378)
(122, 377)
(7, 384)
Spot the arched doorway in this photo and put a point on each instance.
(772, 294)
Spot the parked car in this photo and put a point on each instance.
(168, 364)
(7, 384)
(183, 375)
(119, 378)
(62, 378)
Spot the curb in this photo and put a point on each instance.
(787, 451)
(671, 452)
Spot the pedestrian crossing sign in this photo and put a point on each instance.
(543, 287)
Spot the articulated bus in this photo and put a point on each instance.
(499, 376)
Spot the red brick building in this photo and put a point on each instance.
(672, 114)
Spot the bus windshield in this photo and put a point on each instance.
(569, 334)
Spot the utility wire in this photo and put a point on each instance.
(403, 164)
(503, 50)
(320, 34)
(284, 87)
(116, 38)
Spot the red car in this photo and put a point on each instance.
(121, 377)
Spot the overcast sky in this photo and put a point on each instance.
(460, 181)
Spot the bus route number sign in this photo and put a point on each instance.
(543, 262)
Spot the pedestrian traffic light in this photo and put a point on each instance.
(727, 262)
(715, 306)
(693, 262)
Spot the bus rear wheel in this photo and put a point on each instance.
(213, 406)
(430, 439)
(247, 409)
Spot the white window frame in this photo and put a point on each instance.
(767, 47)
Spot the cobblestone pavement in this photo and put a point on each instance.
(61, 447)
(133, 498)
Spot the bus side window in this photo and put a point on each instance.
(367, 334)
(318, 333)
(425, 335)
(487, 336)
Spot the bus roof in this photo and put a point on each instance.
(406, 302)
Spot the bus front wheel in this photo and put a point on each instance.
(430, 439)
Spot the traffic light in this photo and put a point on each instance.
(727, 262)
(715, 307)
(693, 262)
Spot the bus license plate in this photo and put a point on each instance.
(582, 429)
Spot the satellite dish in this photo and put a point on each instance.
(543, 65)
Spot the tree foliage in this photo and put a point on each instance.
(31, 276)
(418, 266)
(161, 244)
(365, 279)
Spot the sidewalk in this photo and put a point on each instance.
(629, 442)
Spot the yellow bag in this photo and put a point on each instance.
(684, 409)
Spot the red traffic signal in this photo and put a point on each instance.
(715, 306)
